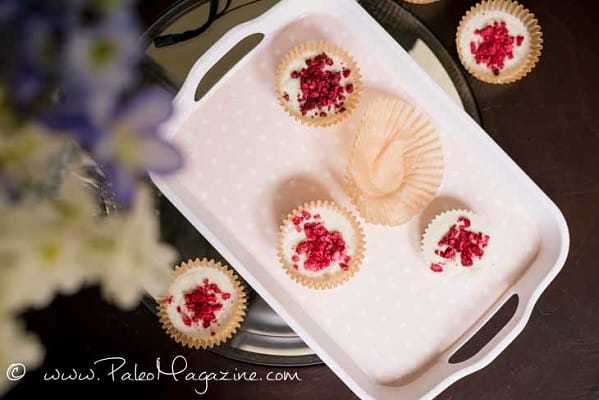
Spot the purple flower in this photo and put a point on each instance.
(81, 50)
(67, 64)
(101, 61)
(131, 145)
(70, 114)
(25, 86)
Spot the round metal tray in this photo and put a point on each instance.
(264, 337)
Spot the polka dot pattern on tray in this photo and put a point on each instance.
(250, 163)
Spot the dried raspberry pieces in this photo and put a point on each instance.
(495, 46)
(321, 91)
(318, 83)
(454, 238)
(461, 242)
(321, 244)
(321, 248)
(204, 304)
(499, 41)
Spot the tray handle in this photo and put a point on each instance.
(496, 344)
(265, 24)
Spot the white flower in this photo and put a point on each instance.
(126, 251)
(16, 346)
(57, 246)
(25, 153)
(41, 247)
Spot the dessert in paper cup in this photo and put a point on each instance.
(204, 304)
(499, 41)
(318, 83)
(457, 240)
(321, 245)
(396, 164)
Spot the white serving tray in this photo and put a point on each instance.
(389, 332)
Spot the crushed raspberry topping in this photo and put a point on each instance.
(320, 88)
(286, 96)
(436, 267)
(496, 46)
(202, 303)
(322, 247)
(459, 240)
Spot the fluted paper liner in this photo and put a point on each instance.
(223, 332)
(310, 49)
(396, 164)
(535, 36)
(429, 243)
(331, 280)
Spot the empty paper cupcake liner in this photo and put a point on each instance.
(396, 164)
(311, 49)
(327, 281)
(533, 29)
(226, 330)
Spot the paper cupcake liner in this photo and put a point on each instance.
(395, 167)
(224, 332)
(534, 33)
(328, 281)
(316, 47)
(429, 242)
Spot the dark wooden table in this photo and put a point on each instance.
(548, 123)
